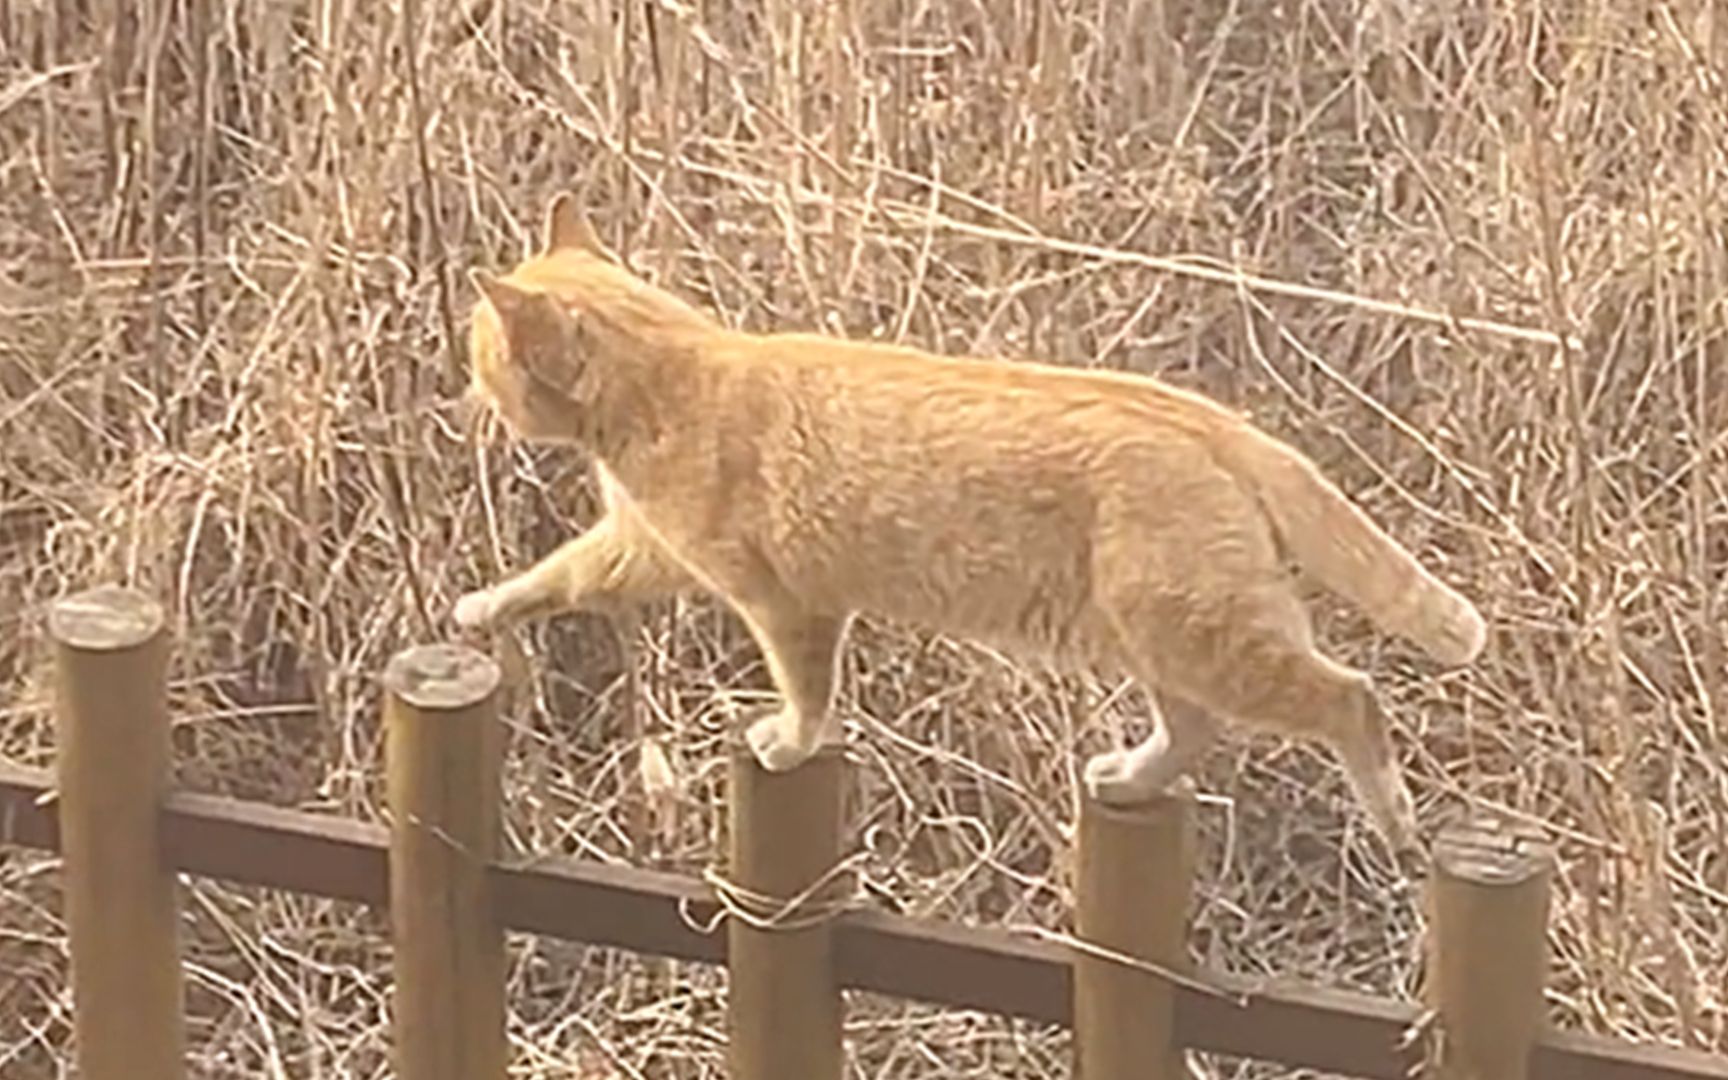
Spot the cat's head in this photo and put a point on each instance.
(526, 344)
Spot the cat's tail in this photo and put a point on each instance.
(1347, 552)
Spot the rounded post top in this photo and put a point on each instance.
(441, 677)
(108, 618)
(1490, 851)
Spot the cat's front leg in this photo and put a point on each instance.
(611, 567)
(802, 651)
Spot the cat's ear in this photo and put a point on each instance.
(568, 227)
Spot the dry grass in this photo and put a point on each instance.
(231, 237)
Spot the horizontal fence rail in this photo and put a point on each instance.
(961, 967)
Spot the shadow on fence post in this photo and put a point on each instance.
(1136, 869)
(1488, 942)
(443, 753)
(783, 1008)
(111, 662)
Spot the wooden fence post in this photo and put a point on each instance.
(783, 1009)
(122, 911)
(443, 749)
(1136, 870)
(1488, 958)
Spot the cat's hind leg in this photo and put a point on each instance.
(1182, 733)
(1214, 616)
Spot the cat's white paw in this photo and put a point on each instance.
(776, 753)
(1114, 780)
(474, 610)
(1121, 778)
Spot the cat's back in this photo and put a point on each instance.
(896, 393)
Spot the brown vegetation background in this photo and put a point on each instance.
(232, 244)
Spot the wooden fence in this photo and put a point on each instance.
(790, 943)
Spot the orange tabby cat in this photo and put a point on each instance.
(1086, 517)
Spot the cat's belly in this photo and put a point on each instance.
(1038, 609)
